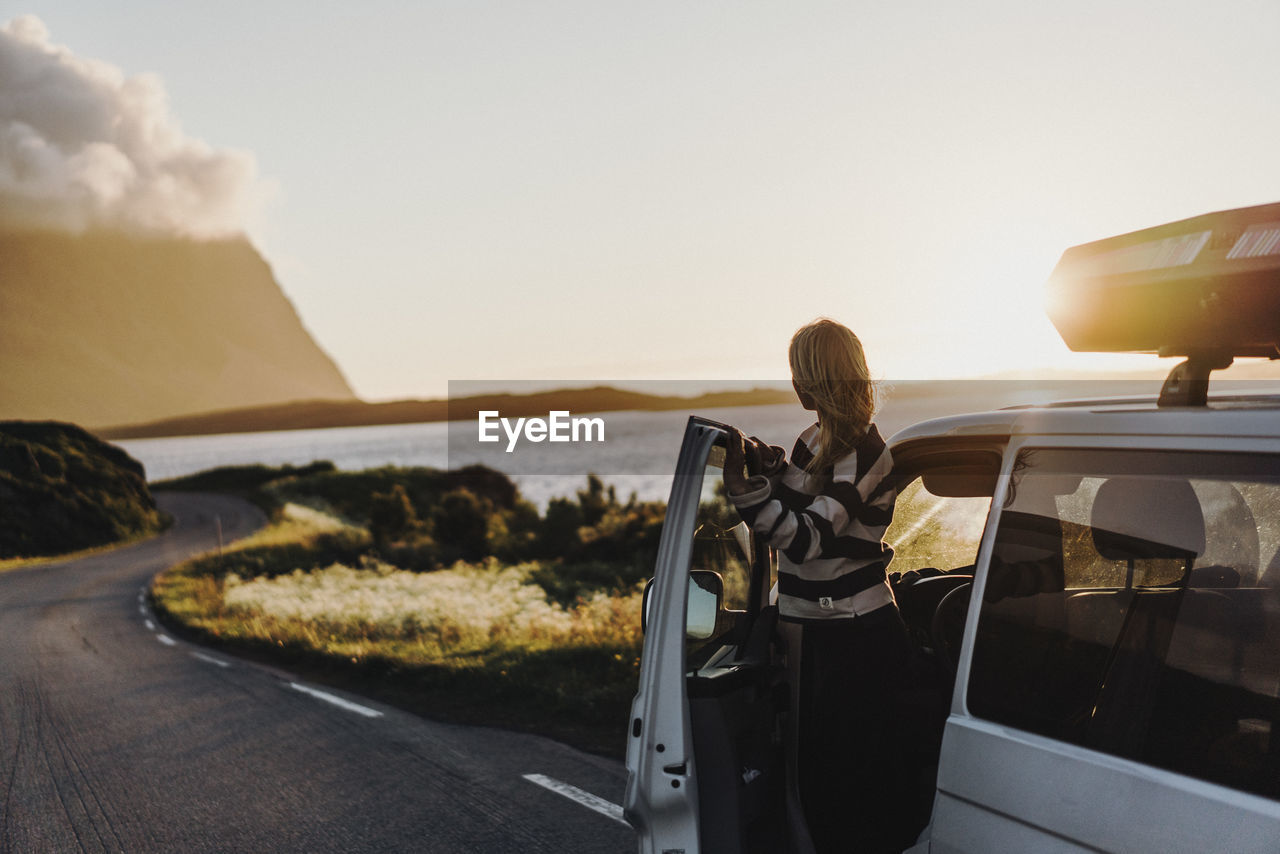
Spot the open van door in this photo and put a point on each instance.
(705, 759)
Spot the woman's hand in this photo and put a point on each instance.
(735, 461)
(757, 457)
(766, 457)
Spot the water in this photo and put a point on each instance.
(638, 454)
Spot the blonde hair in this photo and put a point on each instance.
(827, 363)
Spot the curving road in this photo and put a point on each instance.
(116, 737)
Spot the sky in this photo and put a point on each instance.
(622, 191)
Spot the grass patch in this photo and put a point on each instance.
(478, 642)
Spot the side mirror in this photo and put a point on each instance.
(706, 595)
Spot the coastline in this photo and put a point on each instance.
(322, 414)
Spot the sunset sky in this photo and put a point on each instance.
(615, 191)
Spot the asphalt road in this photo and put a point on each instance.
(116, 737)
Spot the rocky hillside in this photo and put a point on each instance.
(106, 328)
(62, 489)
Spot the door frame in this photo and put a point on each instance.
(661, 800)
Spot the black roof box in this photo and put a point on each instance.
(1205, 285)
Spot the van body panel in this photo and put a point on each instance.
(999, 783)
(959, 828)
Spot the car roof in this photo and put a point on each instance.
(1225, 416)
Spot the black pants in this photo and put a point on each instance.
(854, 782)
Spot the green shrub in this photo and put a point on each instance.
(567, 583)
(461, 521)
(424, 519)
(513, 534)
(350, 494)
(391, 516)
(559, 536)
(595, 501)
(242, 479)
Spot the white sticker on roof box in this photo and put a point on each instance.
(1257, 240)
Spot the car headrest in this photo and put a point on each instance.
(1137, 518)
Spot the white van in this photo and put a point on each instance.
(1092, 589)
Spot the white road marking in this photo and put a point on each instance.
(142, 610)
(210, 659)
(337, 701)
(151, 627)
(576, 795)
(166, 640)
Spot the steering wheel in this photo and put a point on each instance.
(947, 628)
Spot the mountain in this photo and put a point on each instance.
(109, 328)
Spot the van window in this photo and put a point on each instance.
(722, 543)
(721, 540)
(930, 531)
(1133, 607)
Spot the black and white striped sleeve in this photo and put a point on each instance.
(844, 518)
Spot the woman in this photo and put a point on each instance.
(825, 511)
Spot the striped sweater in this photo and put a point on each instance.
(828, 530)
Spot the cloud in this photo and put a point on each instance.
(83, 146)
